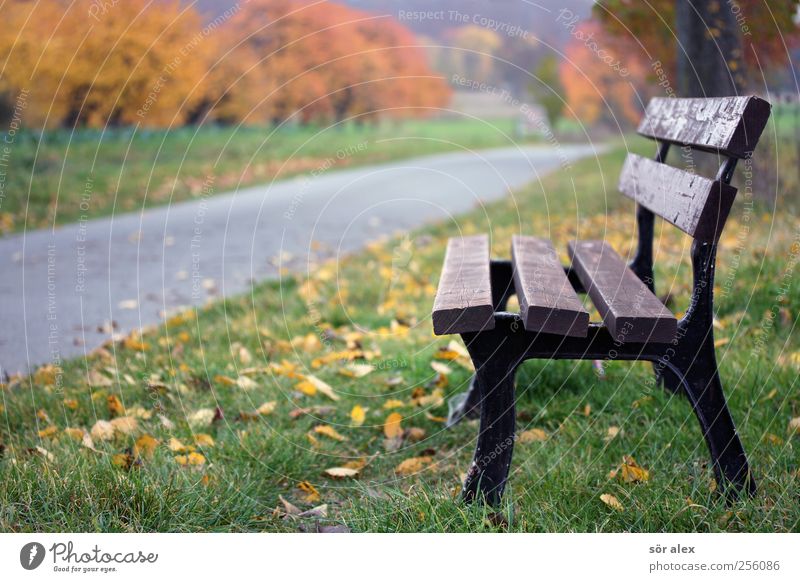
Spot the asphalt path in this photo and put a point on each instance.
(63, 292)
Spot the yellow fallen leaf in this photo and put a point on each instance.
(194, 459)
(146, 446)
(71, 403)
(125, 460)
(115, 407)
(322, 387)
(220, 379)
(631, 472)
(177, 446)
(415, 434)
(267, 408)
(246, 383)
(341, 472)
(611, 501)
(456, 347)
(102, 430)
(721, 342)
(75, 434)
(306, 388)
(392, 426)
(389, 404)
(329, 431)
(612, 433)
(48, 432)
(794, 426)
(204, 440)
(533, 435)
(358, 415)
(311, 493)
(413, 465)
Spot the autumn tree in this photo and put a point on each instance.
(127, 63)
(280, 59)
(601, 83)
(705, 47)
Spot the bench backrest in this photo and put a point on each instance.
(727, 126)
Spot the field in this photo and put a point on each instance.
(222, 420)
(49, 177)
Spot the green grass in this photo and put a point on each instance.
(61, 177)
(555, 485)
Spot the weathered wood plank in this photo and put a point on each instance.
(547, 301)
(628, 308)
(696, 205)
(464, 298)
(729, 125)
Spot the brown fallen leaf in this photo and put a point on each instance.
(115, 407)
(146, 446)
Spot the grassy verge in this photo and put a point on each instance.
(61, 177)
(220, 409)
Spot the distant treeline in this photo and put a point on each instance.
(98, 63)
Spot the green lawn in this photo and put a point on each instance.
(374, 308)
(61, 177)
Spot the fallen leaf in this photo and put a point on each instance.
(246, 383)
(794, 426)
(193, 459)
(102, 430)
(413, 465)
(311, 493)
(322, 387)
(266, 408)
(125, 424)
(45, 453)
(611, 501)
(356, 370)
(146, 446)
(115, 407)
(204, 440)
(341, 472)
(329, 431)
(48, 432)
(392, 426)
(533, 435)
(631, 472)
(440, 368)
(75, 433)
(201, 418)
(358, 415)
(415, 434)
(71, 403)
(177, 446)
(289, 509)
(389, 404)
(611, 433)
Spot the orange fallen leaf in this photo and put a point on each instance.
(311, 493)
(115, 407)
(146, 445)
(392, 426)
(193, 459)
(631, 472)
(204, 440)
(413, 465)
(533, 435)
(329, 431)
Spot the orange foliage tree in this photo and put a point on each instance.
(128, 62)
(601, 83)
(283, 58)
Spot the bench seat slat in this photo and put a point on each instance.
(697, 205)
(728, 125)
(628, 308)
(547, 301)
(464, 298)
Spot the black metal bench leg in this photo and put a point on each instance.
(704, 389)
(486, 478)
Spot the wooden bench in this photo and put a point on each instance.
(552, 322)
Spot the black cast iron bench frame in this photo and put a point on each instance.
(684, 359)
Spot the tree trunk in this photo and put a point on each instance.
(709, 49)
